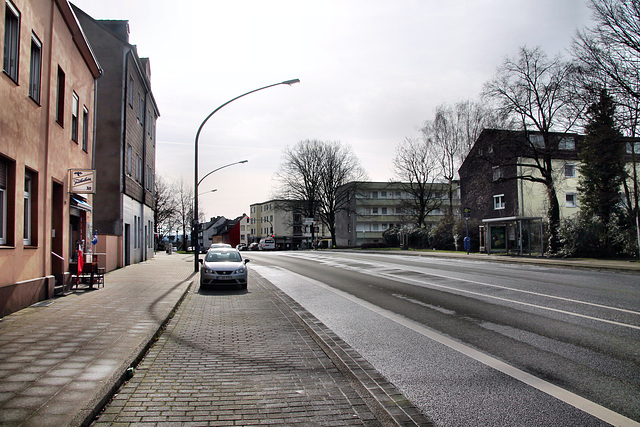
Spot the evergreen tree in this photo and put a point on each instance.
(602, 157)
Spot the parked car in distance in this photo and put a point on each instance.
(267, 244)
(204, 249)
(223, 266)
(241, 247)
(254, 246)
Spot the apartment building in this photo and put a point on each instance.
(125, 144)
(47, 117)
(282, 220)
(375, 207)
(514, 209)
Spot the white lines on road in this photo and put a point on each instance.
(566, 396)
(376, 270)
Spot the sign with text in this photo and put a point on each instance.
(82, 181)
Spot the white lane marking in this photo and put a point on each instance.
(452, 288)
(579, 402)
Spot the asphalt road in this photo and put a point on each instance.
(477, 343)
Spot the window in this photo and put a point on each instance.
(36, 68)
(131, 91)
(4, 178)
(383, 194)
(571, 200)
(60, 98)
(374, 211)
(129, 159)
(633, 147)
(11, 41)
(497, 173)
(148, 122)
(374, 194)
(569, 170)
(149, 183)
(74, 117)
(27, 209)
(537, 140)
(567, 143)
(383, 211)
(138, 169)
(498, 201)
(85, 129)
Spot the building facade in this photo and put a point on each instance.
(375, 207)
(125, 145)
(48, 89)
(497, 189)
(223, 230)
(281, 220)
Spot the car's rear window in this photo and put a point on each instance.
(223, 256)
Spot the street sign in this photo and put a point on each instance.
(308, 221)
(466, 212)
(82, 181)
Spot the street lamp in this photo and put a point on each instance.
(207, 192)
(196, 263)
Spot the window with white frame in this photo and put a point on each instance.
(374, 211)
(27, 208)
(374, 194)
(383, 211)
(569, 170)
(75, 108)
(11, 41)
(571, 200)
(567, 143)
(4, 171)
(498, 201)
(36, 68)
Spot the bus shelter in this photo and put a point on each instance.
(512, 235)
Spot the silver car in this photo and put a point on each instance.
(223, 266)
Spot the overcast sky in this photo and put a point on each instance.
(371, 71)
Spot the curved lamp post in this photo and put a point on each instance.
(207, 192)
(196, 263)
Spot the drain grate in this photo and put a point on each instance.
(42, 304)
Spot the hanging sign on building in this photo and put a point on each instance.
(82, 181)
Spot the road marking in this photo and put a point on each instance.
(579, 402)
(452, 288)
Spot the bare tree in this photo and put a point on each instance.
(339, 166)
(535, 90)
(300, 175)
(311, 173)
(608, 55)
(453, 131)
(164, 209)
(415, 165)
(184, 202)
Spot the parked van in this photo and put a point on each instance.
(267, 244)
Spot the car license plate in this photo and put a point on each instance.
(224, 278)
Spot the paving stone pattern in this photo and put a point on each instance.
(237, 358)
(59, 361)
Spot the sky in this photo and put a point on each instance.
(371, 71)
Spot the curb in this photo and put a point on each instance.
(390, 407)
(88, 415)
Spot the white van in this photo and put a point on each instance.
(267, 244)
